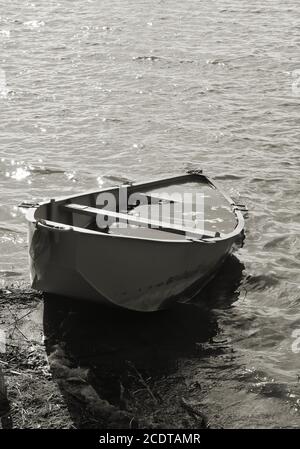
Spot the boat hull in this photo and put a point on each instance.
(137, 274)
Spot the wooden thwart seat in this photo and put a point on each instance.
(139, 221)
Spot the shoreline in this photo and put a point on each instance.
(56, 380)
(69, 365)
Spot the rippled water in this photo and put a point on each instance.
(91, 91)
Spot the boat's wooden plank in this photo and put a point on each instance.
(121, 217)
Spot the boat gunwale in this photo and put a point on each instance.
(56, 226)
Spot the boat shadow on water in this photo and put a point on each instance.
(120, 369)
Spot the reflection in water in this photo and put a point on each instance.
(131, 360)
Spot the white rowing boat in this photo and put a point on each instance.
(140, 246)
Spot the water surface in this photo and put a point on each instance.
(94, 91)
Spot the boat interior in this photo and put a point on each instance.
(163, 209)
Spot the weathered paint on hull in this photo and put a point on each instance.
(142, 275)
